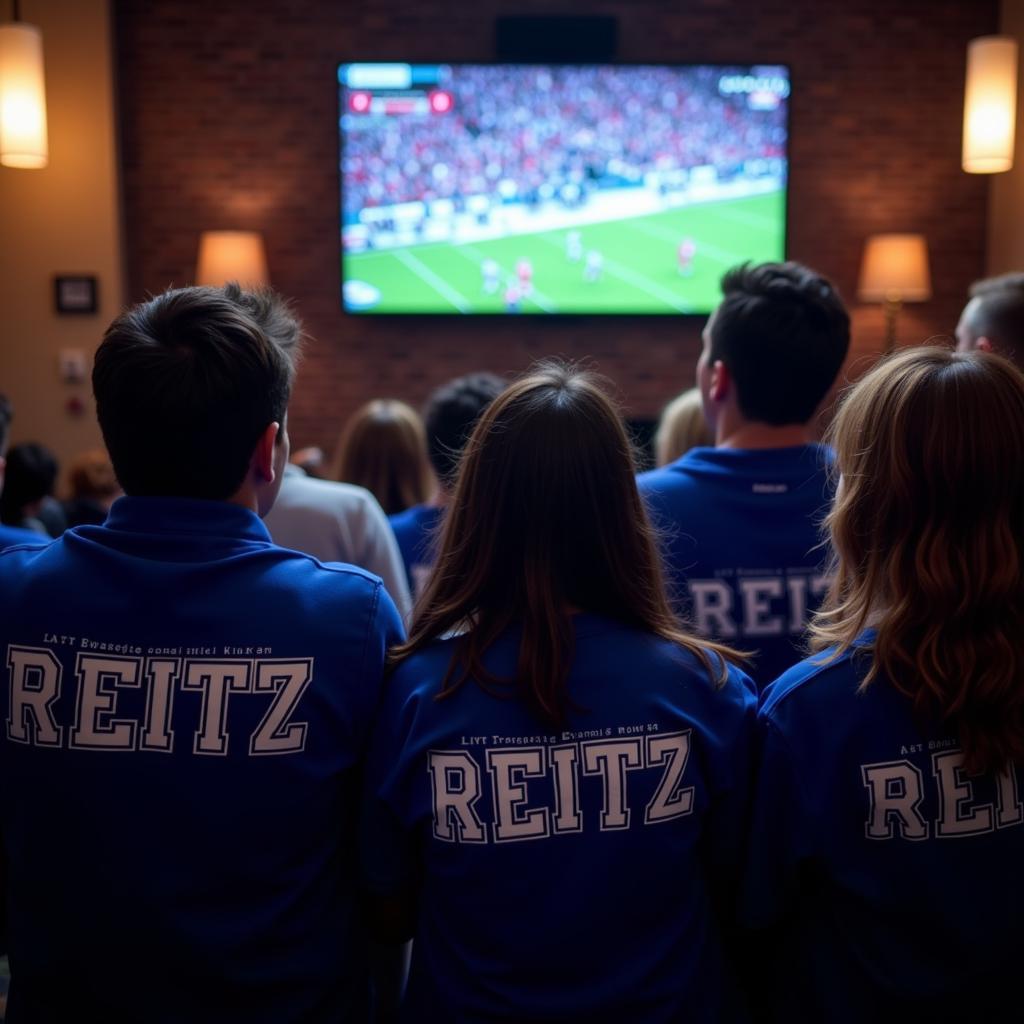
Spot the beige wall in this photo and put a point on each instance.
(63, 219)
(1006, 199)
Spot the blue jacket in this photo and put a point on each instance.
(186, 709)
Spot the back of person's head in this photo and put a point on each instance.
(928, 532)
(91, 475)
(450, 415)
(993, 319)
(384, 449)
(187, 383)
(545, 518)
(782, 332)
(30, 476)
(682, 426)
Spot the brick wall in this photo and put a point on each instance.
(229, 115)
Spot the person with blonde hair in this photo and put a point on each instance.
(682, 426)
(888, 830)
(558, 779)
(383, 448)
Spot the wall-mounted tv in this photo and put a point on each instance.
(554, 189)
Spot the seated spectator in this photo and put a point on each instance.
(187, 705)
(338, 523)
(27, 500)
(558, 776)
(93, 489)
(993, 319)
(450, 415)
(682, 426)
(11, 534)
(310, 460)
(740, 520)
(384, 449)
(889, 829)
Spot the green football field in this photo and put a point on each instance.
(640, 271)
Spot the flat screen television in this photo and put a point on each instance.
(557, 189)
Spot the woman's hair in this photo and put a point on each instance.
(384, 449)
(545, 518)
(927, 528)
(682, 426)
(91, 475)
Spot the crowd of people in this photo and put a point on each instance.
(542, 129)
(737, 738)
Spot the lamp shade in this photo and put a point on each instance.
(232, 256)
(895, 267)
(990, 105)
(23, 141)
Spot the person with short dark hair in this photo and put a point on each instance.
(12, 533)
(558, 777)
(187, 704)
(740, 520)
(27, 499)
(888, 827)
(450, 415)
(993, 319)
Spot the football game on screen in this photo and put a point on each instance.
(557, 188)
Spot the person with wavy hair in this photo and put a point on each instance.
(559, 771)
(889, 827)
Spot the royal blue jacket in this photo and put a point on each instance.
(890, 878)
(186, 708)
(741, 542)
(564, 874)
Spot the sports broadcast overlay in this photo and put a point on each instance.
(469, 188)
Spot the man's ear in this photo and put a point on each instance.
(984, 344)
(720, 382)
(263, 456)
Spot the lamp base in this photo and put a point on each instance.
(892, 311)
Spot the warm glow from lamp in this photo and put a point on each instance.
(23, 140)
(895, 267)
(232, 256)
(990, 105)
(894, 271)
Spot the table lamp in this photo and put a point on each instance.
(232, 256)
(894, 271)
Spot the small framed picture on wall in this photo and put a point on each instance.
(75, 293)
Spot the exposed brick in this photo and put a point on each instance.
(229, 116)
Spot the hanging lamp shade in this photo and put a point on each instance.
(23, 141)
(990, 105)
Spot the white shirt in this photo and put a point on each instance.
(338, 523)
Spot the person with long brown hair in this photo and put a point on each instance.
(888, 833)
(559, 773)
(383, 448)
